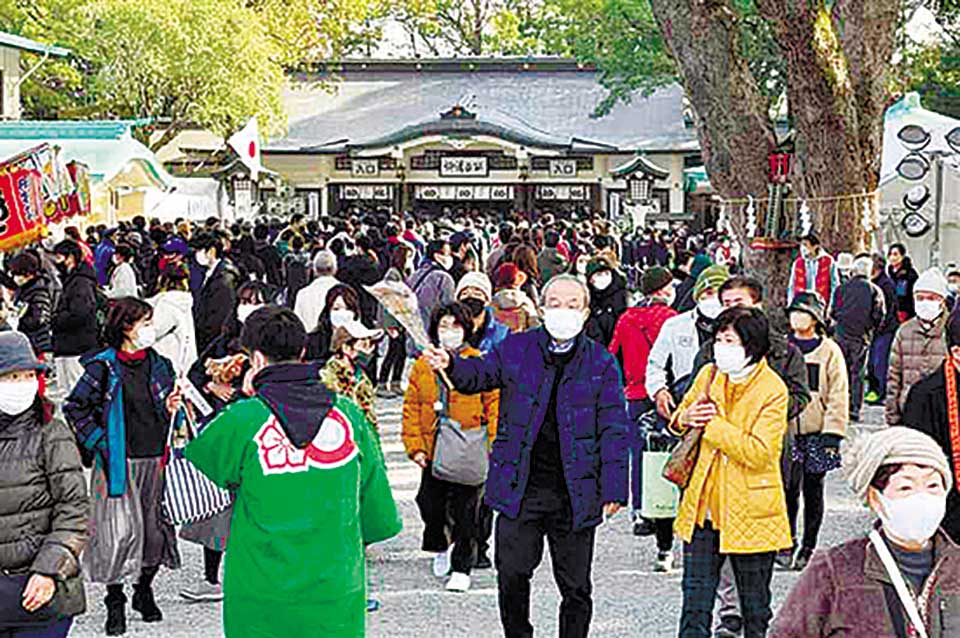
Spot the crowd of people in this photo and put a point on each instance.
(564, 359)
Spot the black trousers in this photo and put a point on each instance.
(485, 528)
(449, 507)
(519, 550)
(702, 561)
(811, 486)
(392, 368)
(855, 354)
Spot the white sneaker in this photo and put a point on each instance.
(203, 593)
(441, 563)
(664, 562)
(458, 582)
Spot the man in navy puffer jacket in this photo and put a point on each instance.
(559, 462)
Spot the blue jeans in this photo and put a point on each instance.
(59, 629)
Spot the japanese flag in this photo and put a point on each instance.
(246, 142)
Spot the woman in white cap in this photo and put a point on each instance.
(352, 346)
(919, 345)
(903, 579)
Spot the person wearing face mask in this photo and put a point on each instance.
(904, 275)
(608, 298)
(813, 270)
(43, 506)
(216, 298)
(857, 311)
(822, 424)
(559, 464)
(173, 318)
(511, 306)
(33, 292)
(919, 345)
(787, 361)
(475, 292)
(123, 278)
(391, 372)
(431, 282)
(675, 349)
(121, 410)
(896, 581)
(351, 348)
(449, 329)
(311, 491)
(931, 408)
(74, 321)
(733, 508)
(342, 306)
(633, 338)
(550, 261)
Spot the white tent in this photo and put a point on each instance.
(893, 187)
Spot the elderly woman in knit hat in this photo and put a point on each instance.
(903, 579)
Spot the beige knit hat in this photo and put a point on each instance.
(894, 445)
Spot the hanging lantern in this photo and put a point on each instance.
(779, 167)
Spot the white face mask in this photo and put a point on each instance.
(731, 359)
(203, 259)
(801, 321)
(340, 318)
(451, 339)
(710, 308)
(145, 337)
(563, 324)
(602, 280)
(446, 261)
(244, 310)
(928, 310)
(914, 518)
(16, 397)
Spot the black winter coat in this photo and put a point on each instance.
(216, 304)
(43, 504)
(890, 322)
(606, 306)
(903, 280)
(926, 411)
(857, 309)
(75, 321)
(35, 322)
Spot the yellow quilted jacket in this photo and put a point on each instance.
(739, 463)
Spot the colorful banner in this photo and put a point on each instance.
(22, 219)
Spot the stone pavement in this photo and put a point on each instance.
(629, 599)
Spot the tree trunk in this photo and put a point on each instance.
(836, 64)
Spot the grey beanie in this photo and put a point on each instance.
(891, 446)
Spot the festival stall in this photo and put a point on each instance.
(37, 189)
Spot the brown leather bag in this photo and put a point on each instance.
(683, 457)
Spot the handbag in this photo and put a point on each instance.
(188, 495)
(683, 458)
(906, 598)
(12, 613)
(659, 497)
(459, 455)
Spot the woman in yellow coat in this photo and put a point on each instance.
(439, 500)
(734, 506)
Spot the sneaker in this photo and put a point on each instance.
(803, 557)
(458, 582)
(483, 561)
(384, 391)
(372, 605)
(664, 562)
(204, 592)
(872, 398)
(441, 563)
(784, 559)
(730, 627)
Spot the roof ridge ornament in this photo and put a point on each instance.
(458, 112)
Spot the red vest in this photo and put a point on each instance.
(822, 283)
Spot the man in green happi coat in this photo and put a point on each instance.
(311, 492)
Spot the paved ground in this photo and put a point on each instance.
(630, 600)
